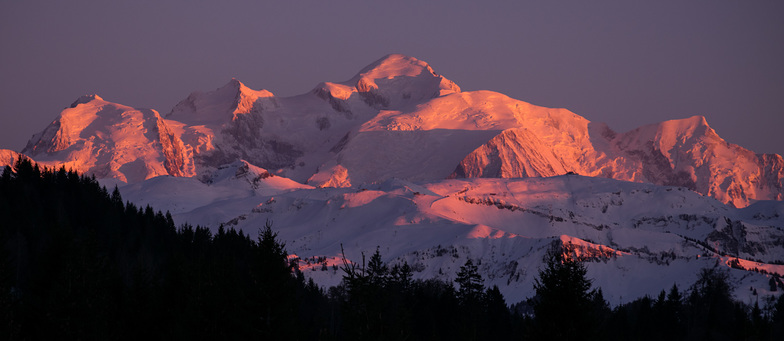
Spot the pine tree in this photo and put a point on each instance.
(117, 198)
(402, 275)
(470, 295)
(274, 285)
(777, 320)
(376, 270)
(711, 307)
(563, 301)
(470, 282)
(497, 314)
(673, 313)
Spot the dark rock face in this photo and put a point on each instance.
(172, 148)
(656, 168)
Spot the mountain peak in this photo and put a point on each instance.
(218, 106)
(233, 85)
(396, 79)
(85, 99)
(688, 123)
(395, 65)
(693, 126)
(236, 87)
(672, 129)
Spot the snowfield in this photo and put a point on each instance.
(637, 238)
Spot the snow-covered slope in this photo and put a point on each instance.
(637, 238)
(111, 140)
(689, 153)
(396, 118)
(8, 157)
(683, 152)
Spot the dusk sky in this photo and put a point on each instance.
(627, 63)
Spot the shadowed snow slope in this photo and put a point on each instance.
(637, 238)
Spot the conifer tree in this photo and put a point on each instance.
(470, 282)
(470, 295)
(777, 320)
(563, 301)
(376, 270)
(673, 312)
(274, 284)
(711, 307)
(401, 275)
(497, 315)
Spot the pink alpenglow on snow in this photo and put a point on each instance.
(397, 118)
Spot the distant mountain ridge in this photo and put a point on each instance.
(397, 118)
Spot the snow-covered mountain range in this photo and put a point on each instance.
(397, 118)
(399, 157)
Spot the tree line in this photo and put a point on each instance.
(76, 262)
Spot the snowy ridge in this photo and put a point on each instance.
(637, 238)
(219, 106)
(111, 140)
(689, 153)
(684, 153)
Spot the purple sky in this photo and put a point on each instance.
(627, 63)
